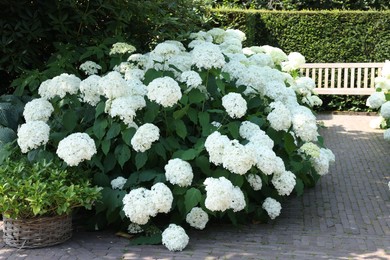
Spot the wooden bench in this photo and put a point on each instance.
(343, 78)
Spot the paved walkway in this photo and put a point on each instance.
(346, 216)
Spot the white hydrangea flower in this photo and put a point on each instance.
(121, 48)
(304, 124)
(125, 107)
(235, 68)
(32, 134)
(197, 218)
(202, 36)
(382, 83)
(276, 90)
(90, 90)
(207, 55)
(284, 182)
(134, 228)
(118, 183)
(124, 67)
(113, 85)
(254, 181)
(279, 117)
(376, 100)
(59, 86)
(175, 238)
(304, 86)
(138, 206)
(386, 134)
(277, 55)
(234, 33)
(144, 137)
(191, 78)
(261, 139)
(219, 194)
(38, 109)
(237, 158)
(238, 200)
(321, 163)
(164, 91)
(90, 67)
(163, 51)
(76, 148)
(265, 159)
(234, 104)
(249, 129)
(294, 61)
(376, 122)
(136, 88)
(179, 172)
(162, 197)
(385, 110)
(134, 74)
(309, 149)
(272, 207)
(180, 63)
(215, 145)
(218, 34)
(139, 59)
(261, 60)
(386, 69)
(312, 101)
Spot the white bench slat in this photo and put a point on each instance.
(352, 78)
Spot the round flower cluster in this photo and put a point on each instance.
(376, 100)
(134, 228)
(90, 90)
(59, 86)
(272, 207)
(385, 110)
(284, 182)
(179, 172)
(140, 204)
(255, 181)
(309, 149)
(90, 67)
(207, 55)
(144, 137)
(76, 148)
(386, 134)
(197, 218)
(234, 104)
(191, 78)
(175, 238)
(164, 91)
(38, 109)
(121, 48)
(280, 117)
(294, 61)
(118, 183)
(32, 134)
(321, 163)
(222, 195)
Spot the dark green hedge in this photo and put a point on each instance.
(321, 36)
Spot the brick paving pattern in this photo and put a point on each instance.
(346, 216)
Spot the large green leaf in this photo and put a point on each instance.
(7, 135)
(99, 128)
(195, 96)
(114, 130)
(140, 160)
(289, 143)
(122, 154)
(180, 113)
(154, 239)
(101, 179)
(192, 198)
(127, 135)
(106, 144)
(180, 128)
(70, 120)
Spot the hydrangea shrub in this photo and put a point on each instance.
(184, 135)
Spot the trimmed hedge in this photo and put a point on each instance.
(321, 36)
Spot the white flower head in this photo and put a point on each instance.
(237, 158)
(162, 197)
(175, 238)
(272, 207)
(144, 137)
(215, 145)
(38, 109)
(322, 162)
(295, 60)
(122, 48)
(284, 182)
(191, 78)
(279, 117)
(385, 110)
(113, 85)
(197, 218)
(218, 193)
(138, 206)
(309, 149)
(90, 67)
(59, 86)
(179, 172)
(249, 129)
(278, 56)
(376, 100)
(32, 134)
(164, 91)
(238, 200)
(234, 104)
(76, 148)
(207, 55)
(134, 228)
(90, 90)
(118, 183)
(386, 134)
(125, 107)
(254, 181)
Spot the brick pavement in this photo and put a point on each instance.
(346, 216)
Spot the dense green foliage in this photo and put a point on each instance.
(306, 4)
(42, 35)
(325, 36)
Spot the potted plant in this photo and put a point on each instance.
(37, 198)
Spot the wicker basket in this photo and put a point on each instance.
(37, 232)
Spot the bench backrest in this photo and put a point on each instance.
(343, 78)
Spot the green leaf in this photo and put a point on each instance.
(114, 131)
(236, 179)
(299, 186)
(289, 143)
(70, 120)
(101, 179)
(100, 109)
(180, 113)
(255, 102)
(99, 128)
(140, 160)
(152, 74)
(122, 154)
(127, 135)
(232, 217)
(152, 111)
(204, 121)
(196, 96)
(180, 128)
(160, 150)
(193, 115)
(154, 239)
(109, 162)
(203, 163)
(106, 146)
(189, 154)
(234, 129)
(148, 175)
(221, 86)
(192, 198)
